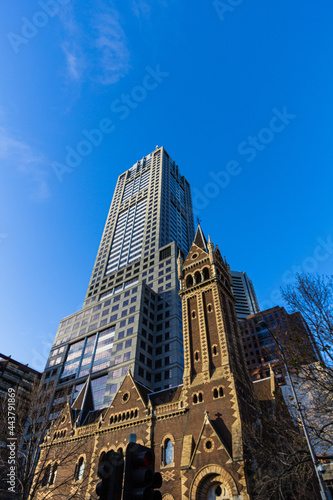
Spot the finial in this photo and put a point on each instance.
(198, 220)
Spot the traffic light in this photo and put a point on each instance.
(110, 471)
(140, 479)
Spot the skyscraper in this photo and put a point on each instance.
(246, 299)
(131, 317)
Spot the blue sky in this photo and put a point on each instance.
(241, 98)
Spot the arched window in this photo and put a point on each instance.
(53, 474)
(196, 355)
(167, 452)
(193, 314)
(205, 273)
(189, 280)
(200, 397)
(79, 470)
(197, 277)
(209, 308)
(195, 398)
(214, 350)
(218, 392)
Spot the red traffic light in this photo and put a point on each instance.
(140, 479)
(142, 458)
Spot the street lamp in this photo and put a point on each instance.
(318, 468)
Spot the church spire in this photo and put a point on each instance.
(84, 402)
(200, 239)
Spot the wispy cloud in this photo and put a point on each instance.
(100, 52)
(74, 62)
(21, 156)
(110, 41)
(141, 8)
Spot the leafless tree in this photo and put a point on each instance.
(281, 465)
(312, 296)
(32, 426)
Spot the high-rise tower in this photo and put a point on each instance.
(131, 317)
(246, 299)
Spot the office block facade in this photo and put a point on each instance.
(246, 299)
(260, 349)
(131, 317)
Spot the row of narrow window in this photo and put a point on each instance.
(217, 393)
(197, 277)
(59, 434)
(123, 416)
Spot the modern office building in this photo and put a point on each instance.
(17, 376)
(246, 299)
(18, 386)
(260, 349)
(131, 317)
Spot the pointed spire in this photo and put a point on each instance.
(200, 239)
(84, 402)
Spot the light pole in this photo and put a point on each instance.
(318, 468)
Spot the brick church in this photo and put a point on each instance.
(198, 429)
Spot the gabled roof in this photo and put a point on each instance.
(138, 392)
(200, 239)
(208, 429)
(84, 403)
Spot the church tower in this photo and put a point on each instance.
(214, 363)
(212, 341)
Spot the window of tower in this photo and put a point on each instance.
(205, 273)
(79, 469)
(189, 280)
(197, 277)
(196, 355)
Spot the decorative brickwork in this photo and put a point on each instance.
(204, 418)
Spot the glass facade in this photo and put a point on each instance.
(128, 236)
(131, 315)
